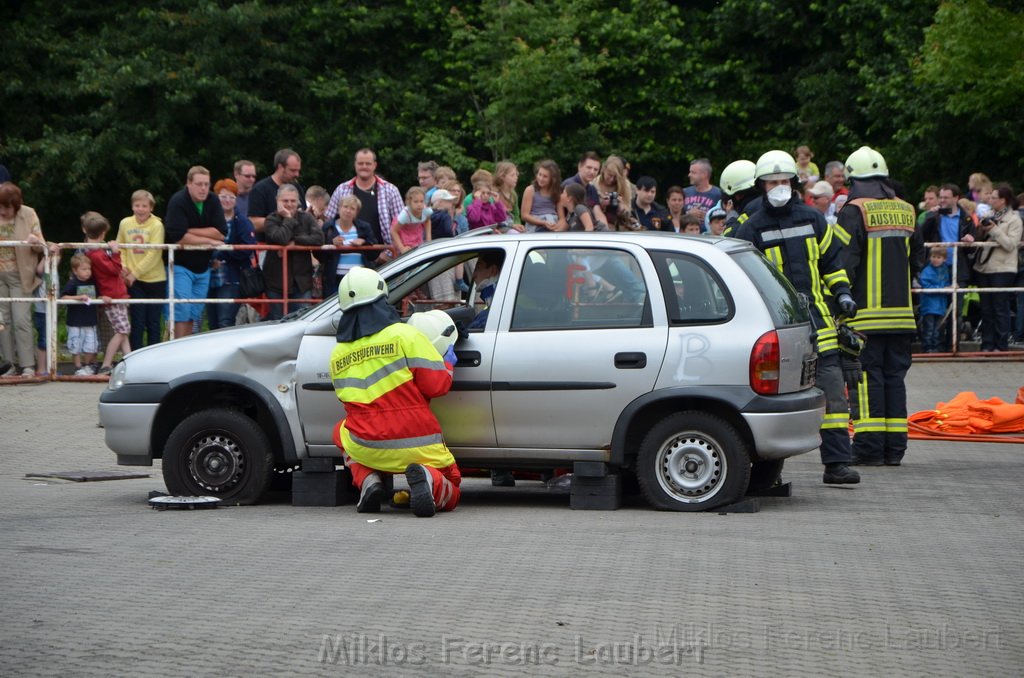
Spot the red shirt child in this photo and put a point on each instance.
(109, 274)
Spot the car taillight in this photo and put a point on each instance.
(764, 364)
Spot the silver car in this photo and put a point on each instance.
(686, 362)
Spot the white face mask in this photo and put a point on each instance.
(487, 282)
(780, 195)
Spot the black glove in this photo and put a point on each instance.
(852, 373)
(847, 306)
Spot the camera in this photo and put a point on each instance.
(613, 199)
(988, 222)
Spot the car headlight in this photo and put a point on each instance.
(118, 376)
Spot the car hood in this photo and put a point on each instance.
(240, 350)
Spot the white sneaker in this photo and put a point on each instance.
(85, 371)
(28, 373)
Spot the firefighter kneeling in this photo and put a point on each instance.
(385, 372)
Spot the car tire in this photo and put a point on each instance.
(764, 474)
(218, 453)
(692, 461)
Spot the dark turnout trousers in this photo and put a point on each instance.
(835, 431)
(880, 406)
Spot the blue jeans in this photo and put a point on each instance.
(277, 310)
(189, 285)
(931, 334)
(222, 315)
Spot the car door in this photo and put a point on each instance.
(319, 408)
(464, 413)
(709, 338)
(581, 335)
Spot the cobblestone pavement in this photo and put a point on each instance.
(916, 571)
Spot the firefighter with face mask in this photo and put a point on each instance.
(385, 372)
(883, 252)
(798, 241)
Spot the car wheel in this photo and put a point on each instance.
(692, 461)
(764, 474)
(218, 453)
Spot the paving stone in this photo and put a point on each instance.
(913, 572)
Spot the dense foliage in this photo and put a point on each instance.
(103, 98)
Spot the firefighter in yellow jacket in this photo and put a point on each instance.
(385, 372)
(882, 253)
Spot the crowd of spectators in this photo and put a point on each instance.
(367, 221)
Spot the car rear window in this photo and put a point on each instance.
(783, 302)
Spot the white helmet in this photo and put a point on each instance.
(776, 165)
(865, 162)
(359, 287)
(737, 176)
(438, 326)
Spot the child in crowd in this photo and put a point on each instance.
(145, 277)
(581, 217)
(691, 224)
(806, 169)
(458, 211)
(716, 221)
(477, 179)
(110, 282)
(486, 209)
(444, 287)
(935, 275)
(444, 174)
(316, 201)
(442, 224)
(316, 204)
(83, 339)
(411, 227)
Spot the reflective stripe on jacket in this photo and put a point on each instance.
(881, 243)
(386, 381)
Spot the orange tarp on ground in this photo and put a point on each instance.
(968, 415)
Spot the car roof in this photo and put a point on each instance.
(642, 238)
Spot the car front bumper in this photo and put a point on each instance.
(127, 416)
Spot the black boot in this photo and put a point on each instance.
(840, 474)
(500, 478)
(421, 490)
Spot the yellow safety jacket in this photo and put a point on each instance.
(386, 381)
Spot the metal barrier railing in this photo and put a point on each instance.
(956, 290)
(52, 301)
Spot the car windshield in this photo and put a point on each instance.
(783, 302)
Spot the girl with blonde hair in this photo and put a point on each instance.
(616, 194)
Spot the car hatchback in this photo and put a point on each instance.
(685, 361)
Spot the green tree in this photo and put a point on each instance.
(104, 98)
(971, 65)
(130, 98)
